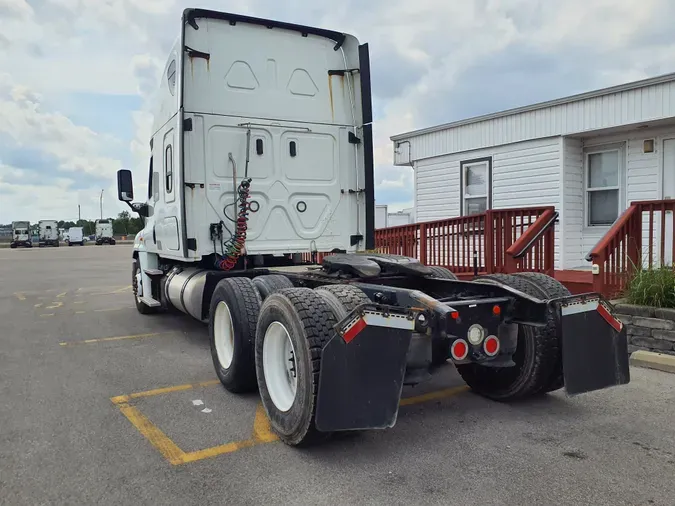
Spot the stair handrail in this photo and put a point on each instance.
(533, 233)
(614, 230)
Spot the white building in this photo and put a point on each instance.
(589, 155)
(385, 219)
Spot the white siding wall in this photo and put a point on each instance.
(573, 204)
(643, 174)
(523, 175)
(627, 107)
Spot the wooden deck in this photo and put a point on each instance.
(576, 281)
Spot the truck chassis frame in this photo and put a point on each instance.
(365, 325)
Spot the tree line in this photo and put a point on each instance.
(124, 224)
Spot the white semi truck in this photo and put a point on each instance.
(104, 232)
(261, 156)
(48, 232)
(21, 235)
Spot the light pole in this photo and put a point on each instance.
(101, 203)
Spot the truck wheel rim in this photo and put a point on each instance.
(223, 334)
(279, 366)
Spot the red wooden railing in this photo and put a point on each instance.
(622, 250)
(502, 240)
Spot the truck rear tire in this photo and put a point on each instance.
(270, 283)
(233, 315)
(294, 326)
(442, 273)
(550, 288)
(535, 357)
(342, 299)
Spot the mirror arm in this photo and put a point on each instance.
(139, 207)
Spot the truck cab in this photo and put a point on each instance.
(270, 126)
(21, 235)
(48, 233)
(104, 232)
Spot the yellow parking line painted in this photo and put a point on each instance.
(79, 302)
(165, 390)
(217, 450)
(61, 295)
(38, 305)
(54, 305)
(80, 312)
(103, 339)
(157, 438)
(262, 431)
(123, 289)
(47, 314)
(19, 296)
(432, 396)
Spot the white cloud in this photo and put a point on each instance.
(432, 62)
(15, 9)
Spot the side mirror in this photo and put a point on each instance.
(125, 185)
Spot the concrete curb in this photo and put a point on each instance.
(651, 360)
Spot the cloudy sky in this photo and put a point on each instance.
(75, 76)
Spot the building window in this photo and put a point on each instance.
(168, 168)
(603, 187)
(476, 186)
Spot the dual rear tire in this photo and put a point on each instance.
(538, 356)
(268, 335)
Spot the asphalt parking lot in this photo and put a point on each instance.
(102, 405)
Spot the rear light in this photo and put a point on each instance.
(459, 349)
(454, 315)
(476, 334)
(496, 310)
(491, 346)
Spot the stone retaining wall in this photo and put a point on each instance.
(648, 328)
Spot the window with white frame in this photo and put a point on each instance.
(476, 178)
(603, 186)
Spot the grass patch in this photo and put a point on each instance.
(652, 287)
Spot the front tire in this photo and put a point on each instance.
(141, 307)
(535, 357)
(298, 323)
(233, 315)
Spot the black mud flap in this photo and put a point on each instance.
(594, 344)
(362, 373)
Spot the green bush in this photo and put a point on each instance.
(652, 287)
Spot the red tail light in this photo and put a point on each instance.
(491, 346)
(459, 349)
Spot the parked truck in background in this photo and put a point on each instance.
(74, 235)
(48, 233)
(21, 235)
(254, 172)
(104, 232)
